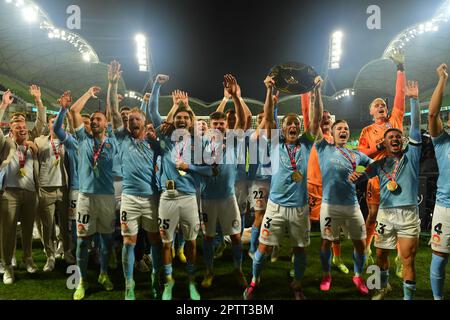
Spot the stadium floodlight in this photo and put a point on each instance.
(8, 1)
(30, 14)
(19, 3)
(335, 50)
(86, 57)
(142, 52)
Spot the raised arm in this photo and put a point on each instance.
(247, 113)
(231, 86)
(434, 120)
(76, 108)
(305, 103)
(7, 99)
(223, 103)
(316, 116)
(267, 122)
(400, 88)
(153, 108)
(114, 74)
(65, 102)
(412, 91)
(41, 118)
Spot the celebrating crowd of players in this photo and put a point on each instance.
(164, 175)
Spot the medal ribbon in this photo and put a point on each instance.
(180, 152)
(56, 152)
(352, 161)
(291, 154)
(22, 157)
(98, 152)
(391, 176)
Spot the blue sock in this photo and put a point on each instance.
(167, 270)
(254, 239)
(299, 265)
(237, 255)
(180, 239)
(128, 260)
(409, 288)
(218, 239)
(155, 252)
(359, 260)
(190, 269)
(325, 258)
(82, 256)
(208, 253)
(437, 275)
(384, 278)
(105, 250)
(258, 264)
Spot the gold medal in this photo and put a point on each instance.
(22, 172)
(182, 173)
(56, 162)
(297, 176)
(392, 186)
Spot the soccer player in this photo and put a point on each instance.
(139, 204)
(219, 202)
(371, 143)
(441, 217)
(339, 207)
(315, 177)
(288, 198)
(180, 180)
(71, 150)
(95, 207)
(398, 219)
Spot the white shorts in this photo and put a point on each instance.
(73, 199)
(118, 193)
(138, 211)
(277, 218)
(335, 217)
(258, 194)
(393, 223)
(95, 213)
(440, 229)
(241, 191)
(177, 207)
(223, 211)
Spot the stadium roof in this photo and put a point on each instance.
(34, 51)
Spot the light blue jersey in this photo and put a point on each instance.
(117, 165)
(99, 181)
(222, 185)
(442, 151)
(407, 178)
(186, 182)
(259, 159)
(335, 169)
(283, 190)
(70, 149)
(137, 158)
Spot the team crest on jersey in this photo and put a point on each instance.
(108, 145)
(80, 228)
(327, 231)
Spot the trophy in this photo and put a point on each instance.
(293, 77)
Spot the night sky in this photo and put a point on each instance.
(197, 41)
